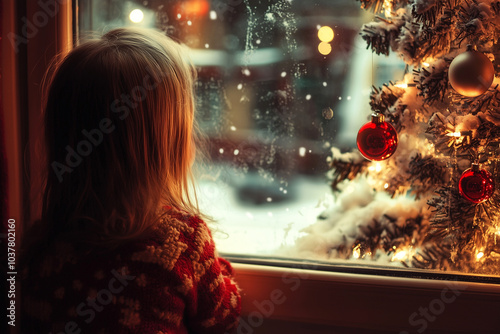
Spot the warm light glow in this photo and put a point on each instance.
(386, 185)
(405, 85)
(326, 34)
(194, 7)
(356, 252)
(387, 7)
(377, 167)
(426, 64)
(302, 151)
(479, 255)
(136, 16)
(400, 256)
(454, 134)
(324, 48)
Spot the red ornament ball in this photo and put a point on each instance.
(471, 73)
(476, 185)
(377, 140)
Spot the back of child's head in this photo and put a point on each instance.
(119, 135)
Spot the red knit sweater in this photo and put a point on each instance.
(172, 283)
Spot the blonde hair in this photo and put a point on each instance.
(119, 130)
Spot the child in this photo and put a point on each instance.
(121, 247)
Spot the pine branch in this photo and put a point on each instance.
(426, 11)
(381, 35)
(385, 234)
(433, 82)
(426, 173)
(386, 100)
(346, 170)
(376, 6)
(490, 101)
(474, 22)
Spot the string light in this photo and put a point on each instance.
(387, 7)
(458, 137)
(377, 167)
(400, 256)
(479, 255)
(405, 85)
(356, 252)
(454, 134)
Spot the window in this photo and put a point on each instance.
(283, 85)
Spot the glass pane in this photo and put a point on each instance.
(283, 89)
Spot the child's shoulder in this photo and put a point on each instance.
(177, 236)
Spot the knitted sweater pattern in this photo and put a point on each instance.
(171, 283)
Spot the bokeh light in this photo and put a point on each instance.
(324, 48)
(326, 34)
(136, 16)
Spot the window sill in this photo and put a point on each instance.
(290, 300)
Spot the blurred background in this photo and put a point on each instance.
(279, 84)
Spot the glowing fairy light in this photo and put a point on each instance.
(324, 48)
(400, 256)
(386, 185)
(479, 255)
(454, 134)
(302, 151)
(387, 7)
(136, 16)
(405, 85)
(233, 128)
(213, 15)
(356, 252)
(236, 152)
(326, 34)
(221, 150)
(378, 167)
(426, 64)
(458, 137)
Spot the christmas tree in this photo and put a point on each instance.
(420, 191)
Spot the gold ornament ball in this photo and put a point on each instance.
(471, 73)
